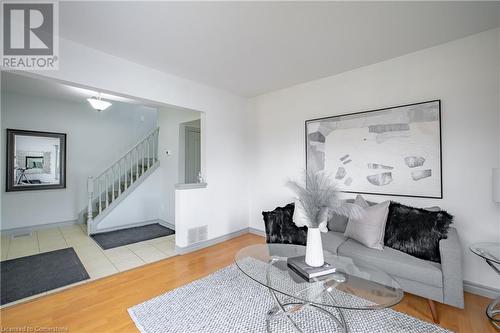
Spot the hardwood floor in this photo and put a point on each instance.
(101, 306)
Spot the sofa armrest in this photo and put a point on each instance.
(451, 265)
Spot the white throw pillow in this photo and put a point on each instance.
(369, 230)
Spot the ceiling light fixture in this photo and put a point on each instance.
(98, 104)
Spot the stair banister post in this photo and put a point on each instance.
(90, 210)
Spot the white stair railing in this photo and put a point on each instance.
(107, 187)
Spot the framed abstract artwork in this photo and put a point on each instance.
(392, 151)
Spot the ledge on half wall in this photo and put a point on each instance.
(190, 186)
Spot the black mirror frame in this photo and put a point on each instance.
(11, 133)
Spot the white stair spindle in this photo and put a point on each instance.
(157, 134)
(137, 163)
(142, 158)
(113, 184)
(99, 181)
(154, 147)
(125, 168)
(149, 154)
(131, 167)
(120, 177)
(106, 176)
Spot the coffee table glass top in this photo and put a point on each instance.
(354, 285)
(487, 250)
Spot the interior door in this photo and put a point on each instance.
(192, 155)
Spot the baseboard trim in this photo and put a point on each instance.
(29, 229)
(166, 224)
(126, 226)
(481, 290)
(210, 242)
(257, 232)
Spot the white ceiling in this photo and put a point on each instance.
(256, 47)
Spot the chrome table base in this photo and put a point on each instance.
(493, 313)
(288, 309)
(493, 310)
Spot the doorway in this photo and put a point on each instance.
(192, 154)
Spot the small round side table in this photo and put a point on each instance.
(490, 252)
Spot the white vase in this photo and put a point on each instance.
(314, 248)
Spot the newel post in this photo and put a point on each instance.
(90, 210)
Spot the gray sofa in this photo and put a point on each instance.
(434, 281)
(440, 282)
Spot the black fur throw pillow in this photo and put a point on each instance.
(416, 231)
(281, 229)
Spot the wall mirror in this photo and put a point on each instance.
(35, 160)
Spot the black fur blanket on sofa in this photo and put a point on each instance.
(280, 227)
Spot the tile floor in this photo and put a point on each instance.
(98, 262)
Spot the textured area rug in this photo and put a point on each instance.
(111, 239)
(27, 276)
(229, 301)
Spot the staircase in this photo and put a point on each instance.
(114, 184)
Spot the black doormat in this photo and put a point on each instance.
(111, 239)
(28, 276)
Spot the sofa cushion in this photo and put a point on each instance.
(395, 263)
(339, 222)
(369, 229)
(280, 227)
(416, 231)
(332, 240)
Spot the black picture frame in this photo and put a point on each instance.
(440, 196)
(10, 165)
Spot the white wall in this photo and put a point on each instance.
(141, 205)
(169, 121)
(224, 125)
(463, 74)
(94, 141)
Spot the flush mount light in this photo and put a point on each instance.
(98, 104)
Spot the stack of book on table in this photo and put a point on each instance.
(309, 273)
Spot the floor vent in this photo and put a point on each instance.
(197, 234)
(20, 235)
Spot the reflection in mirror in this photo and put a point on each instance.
(35, 160)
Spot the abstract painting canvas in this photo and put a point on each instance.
(391, 151)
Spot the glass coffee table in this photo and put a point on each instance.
(355, 285)
(490, 252)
